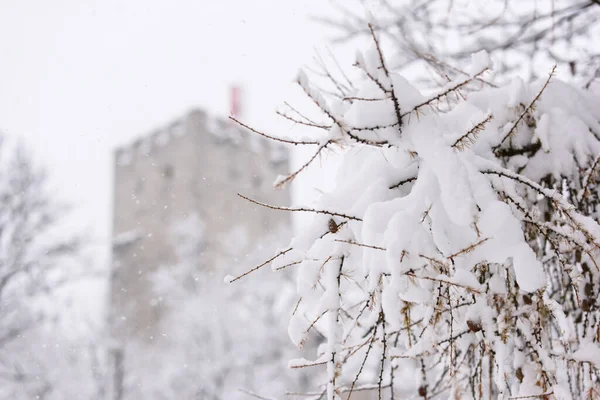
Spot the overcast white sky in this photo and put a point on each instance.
(78, 78)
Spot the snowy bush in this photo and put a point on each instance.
(458, 254)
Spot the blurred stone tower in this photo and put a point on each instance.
(195, 166)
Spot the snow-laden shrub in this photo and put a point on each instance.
(458, 254)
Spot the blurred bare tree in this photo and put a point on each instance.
(523, 37)
(37, 259)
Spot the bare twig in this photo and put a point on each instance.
(360, 244)
(445, 92)
(260, 266)
(305, 123)
(403, 182)
(391, 92)
(294, 174)
(468, 249)
(300, 209)
(272, 137)
(362, 365)
(470, 136)
(529, 108)
(256, 396)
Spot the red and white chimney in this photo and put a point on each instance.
(235, 101)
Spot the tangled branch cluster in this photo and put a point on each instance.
(530, 34)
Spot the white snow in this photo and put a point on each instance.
(588, 352)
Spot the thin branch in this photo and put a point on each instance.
(445, 92)
(288, 265)
(362, 365)
(256, 396)
(469, 137)
(352, 98)
(403, 182)
(468, 288)
(307, 90)
(231, 280)
(533, 396)
(297, 121)
(272, 137)
(392, 92)
(374, 128)
(588, 178)
(370, 301)
(337, 64)
(372, 78)
(299, 113)
(339, 86)
(293, 175)
(383, 351)
(360, 244)
(468, 249)
(530, 149)
(308, 365)
(314, 322)
(558, 200)
(529, 107)
(300, 209)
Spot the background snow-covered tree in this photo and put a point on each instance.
(458, 254)
(37, 261)
(219, 342)
(523, 37)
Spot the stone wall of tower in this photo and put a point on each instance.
(197, 165)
